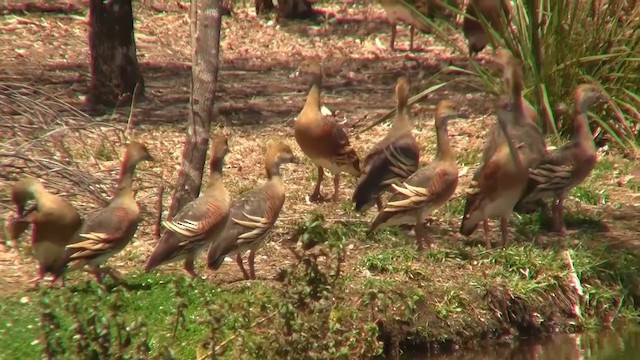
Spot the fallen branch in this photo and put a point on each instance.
(41, 7)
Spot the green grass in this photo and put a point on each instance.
(154, 305)
(449, 293)
(388, 260)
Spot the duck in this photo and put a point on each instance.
(253, 214)
(499, 182)
(200, 221)
(322, 140)
(54, 222)
(472, 28)
(428, 188)
(402, 11)
(486, 197)
(513, 81)
(109, 230)
(525, 129)
(568, 166)
(393, 159)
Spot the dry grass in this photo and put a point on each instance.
(44, 75)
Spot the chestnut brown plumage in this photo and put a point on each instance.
(500, 181)
(199, 222)
(54, 222)
(526, 127)
(391, 160)
(566, 167)
(492, 11)
(108, 231)
(321, 139)
(253, 214)
(428, 188)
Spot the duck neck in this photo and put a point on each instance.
(273, 171)
(443, 152)
(581, 130)
(516, 94)
(126, 178)
(215, 173)
(39, 195)
(313, 99)
(401, 122)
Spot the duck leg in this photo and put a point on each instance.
(504, 229)
(421, 235)
(245, 274)
(379, 203)
(558, 223)
(336, 187)
(189, 265)
(419, 230)
(393, 36)
(251, 260)
(113, 273)
(487, 239)
(316, 196)
(95, 270)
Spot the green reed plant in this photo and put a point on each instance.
(562, 44)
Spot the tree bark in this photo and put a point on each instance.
(205, 49)
(264, 6)
(295, 9)
(114, 66)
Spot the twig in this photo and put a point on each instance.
(235, 335)
(575, 283)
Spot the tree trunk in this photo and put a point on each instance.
(114, 67)
(205, 49)
(264, 6)
(295, 9)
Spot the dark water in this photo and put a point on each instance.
(621, 344)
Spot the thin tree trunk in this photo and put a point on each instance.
(264, 6)
(205, 49)
(295, 9)
(114, 67)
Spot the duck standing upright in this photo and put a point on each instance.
(566, 167)
(108, 231)
(428, 188)
(321, 139)
(401, 11)
(253, 214)
(392, 159)
(200, 221)
(54, 221)
(501, 179)
(498, 182)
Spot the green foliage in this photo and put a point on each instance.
(590, 196)
(563, 44)
(318, 310)
(388, 260)
(570, 43)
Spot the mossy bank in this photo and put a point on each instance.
(346, 296)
